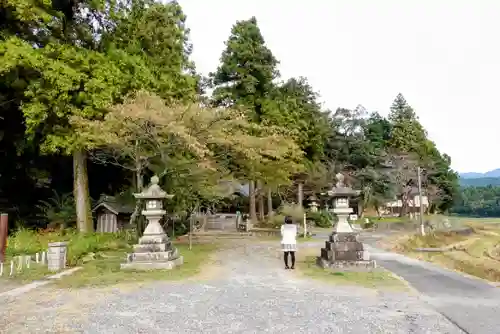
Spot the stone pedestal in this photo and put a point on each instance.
(56, 256)
(343, 251)
(154, 250)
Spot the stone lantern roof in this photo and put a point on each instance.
(341, 189)
(153, 191)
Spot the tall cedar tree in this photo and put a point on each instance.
(245, 77)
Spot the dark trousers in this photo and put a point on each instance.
(292, 255)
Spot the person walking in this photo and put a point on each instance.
(289, 241)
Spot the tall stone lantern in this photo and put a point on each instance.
(341, 195)
(342, 249)
(155, 250)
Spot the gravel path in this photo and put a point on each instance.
(252, 294)
(470, 303)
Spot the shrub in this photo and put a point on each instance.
(293, 210)
(321, 218)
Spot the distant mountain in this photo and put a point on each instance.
(491, 174)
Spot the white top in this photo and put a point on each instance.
(289, 234)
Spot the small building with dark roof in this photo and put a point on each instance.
(112, 216)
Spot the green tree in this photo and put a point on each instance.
(245, 78)
(407, 134)
(157, 34)
(78, 74)
(247, 70)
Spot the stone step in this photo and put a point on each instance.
(221, 234)
(147, 248)
(153, 256)
(152, 265)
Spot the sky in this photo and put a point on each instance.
(443, 56)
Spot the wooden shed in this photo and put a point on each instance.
(112, 216)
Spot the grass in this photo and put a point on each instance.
(375, 279)
(105, 269)
(29, 242)
(477, 254)
(35, 272)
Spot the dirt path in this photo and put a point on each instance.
(250, 292)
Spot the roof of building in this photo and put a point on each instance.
(110, 203)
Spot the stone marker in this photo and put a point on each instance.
(154, 251)
(56, 256)
(343, 250)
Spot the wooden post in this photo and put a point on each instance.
(4, 232)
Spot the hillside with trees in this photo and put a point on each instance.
(480, 182)
(97, 96)
(478, 202)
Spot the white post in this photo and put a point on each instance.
(1, 268)
(11, 267)
(419, 180)
(37, 257)
(20, 263)
(305, 225)
(191, 232)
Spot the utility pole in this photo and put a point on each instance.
(421, 207)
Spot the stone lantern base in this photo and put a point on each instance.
(154, 251)
(343, 252)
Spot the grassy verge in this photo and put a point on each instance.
(105, 269)
(99, 255)
(29, 242)
(477, 254)
(376, 279)
(35, 272)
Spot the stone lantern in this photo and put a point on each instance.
(343, 250)
(154, 251)
(313, 204)
(341, 195)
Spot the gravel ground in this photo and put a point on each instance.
(252, 293)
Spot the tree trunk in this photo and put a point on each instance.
(139, 185)
(270, 211)
(253, 209)
(260, 194)
(404, 206)
(360, 209)
(81, 193)
(300, 194)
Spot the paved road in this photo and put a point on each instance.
(470, 303)
(251, 294)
